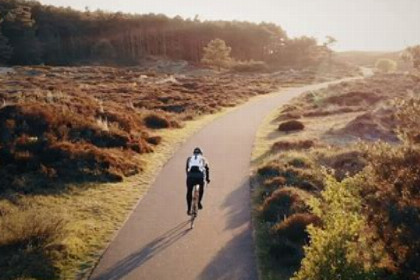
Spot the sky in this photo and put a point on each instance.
(370, 25)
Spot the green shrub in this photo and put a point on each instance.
(337, 249)
(386, 65)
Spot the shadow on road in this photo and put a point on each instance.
(135, 260)
(227, 266)
(238, 204)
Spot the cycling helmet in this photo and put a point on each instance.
(198, 151)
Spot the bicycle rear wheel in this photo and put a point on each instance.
(194, 205)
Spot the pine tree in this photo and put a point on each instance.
(217, 54)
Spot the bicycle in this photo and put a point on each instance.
(194, 205)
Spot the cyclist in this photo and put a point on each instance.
(197, 169)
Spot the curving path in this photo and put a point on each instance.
(155, 243)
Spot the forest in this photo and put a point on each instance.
(32, 33)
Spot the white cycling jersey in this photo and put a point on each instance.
(196, 161)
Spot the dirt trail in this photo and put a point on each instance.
(156, 243)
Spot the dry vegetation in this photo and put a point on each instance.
(92, 123)
(366, 105)
(80, 145)
(66, 129)
(374, 183)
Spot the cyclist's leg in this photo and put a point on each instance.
(190, 186)
(201, 193)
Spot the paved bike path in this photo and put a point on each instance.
(155, 243)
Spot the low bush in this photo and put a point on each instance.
(343, 162)
(284, 252)
(156, 121)
(274, 183)
(269, 170)
(292, 145)
(386, 65)
(282, 203)
(292, 125)
(354, 98)
(392, 199)
(338, 249)
(294, 227)
(298, 162)
(289, 116)
(154, 140)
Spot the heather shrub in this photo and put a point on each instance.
(292, 125)
(156, 121)
(298, 162)
(392, 199)
(269, 170)
(294, 227)
(292, 145)
(283, 252)
(289, 116)
(282, 203)
(344, 162)
(154, 140)
(274, 183)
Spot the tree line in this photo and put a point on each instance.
(32, 33)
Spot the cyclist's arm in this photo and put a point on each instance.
(207, 172)
(206, 166)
